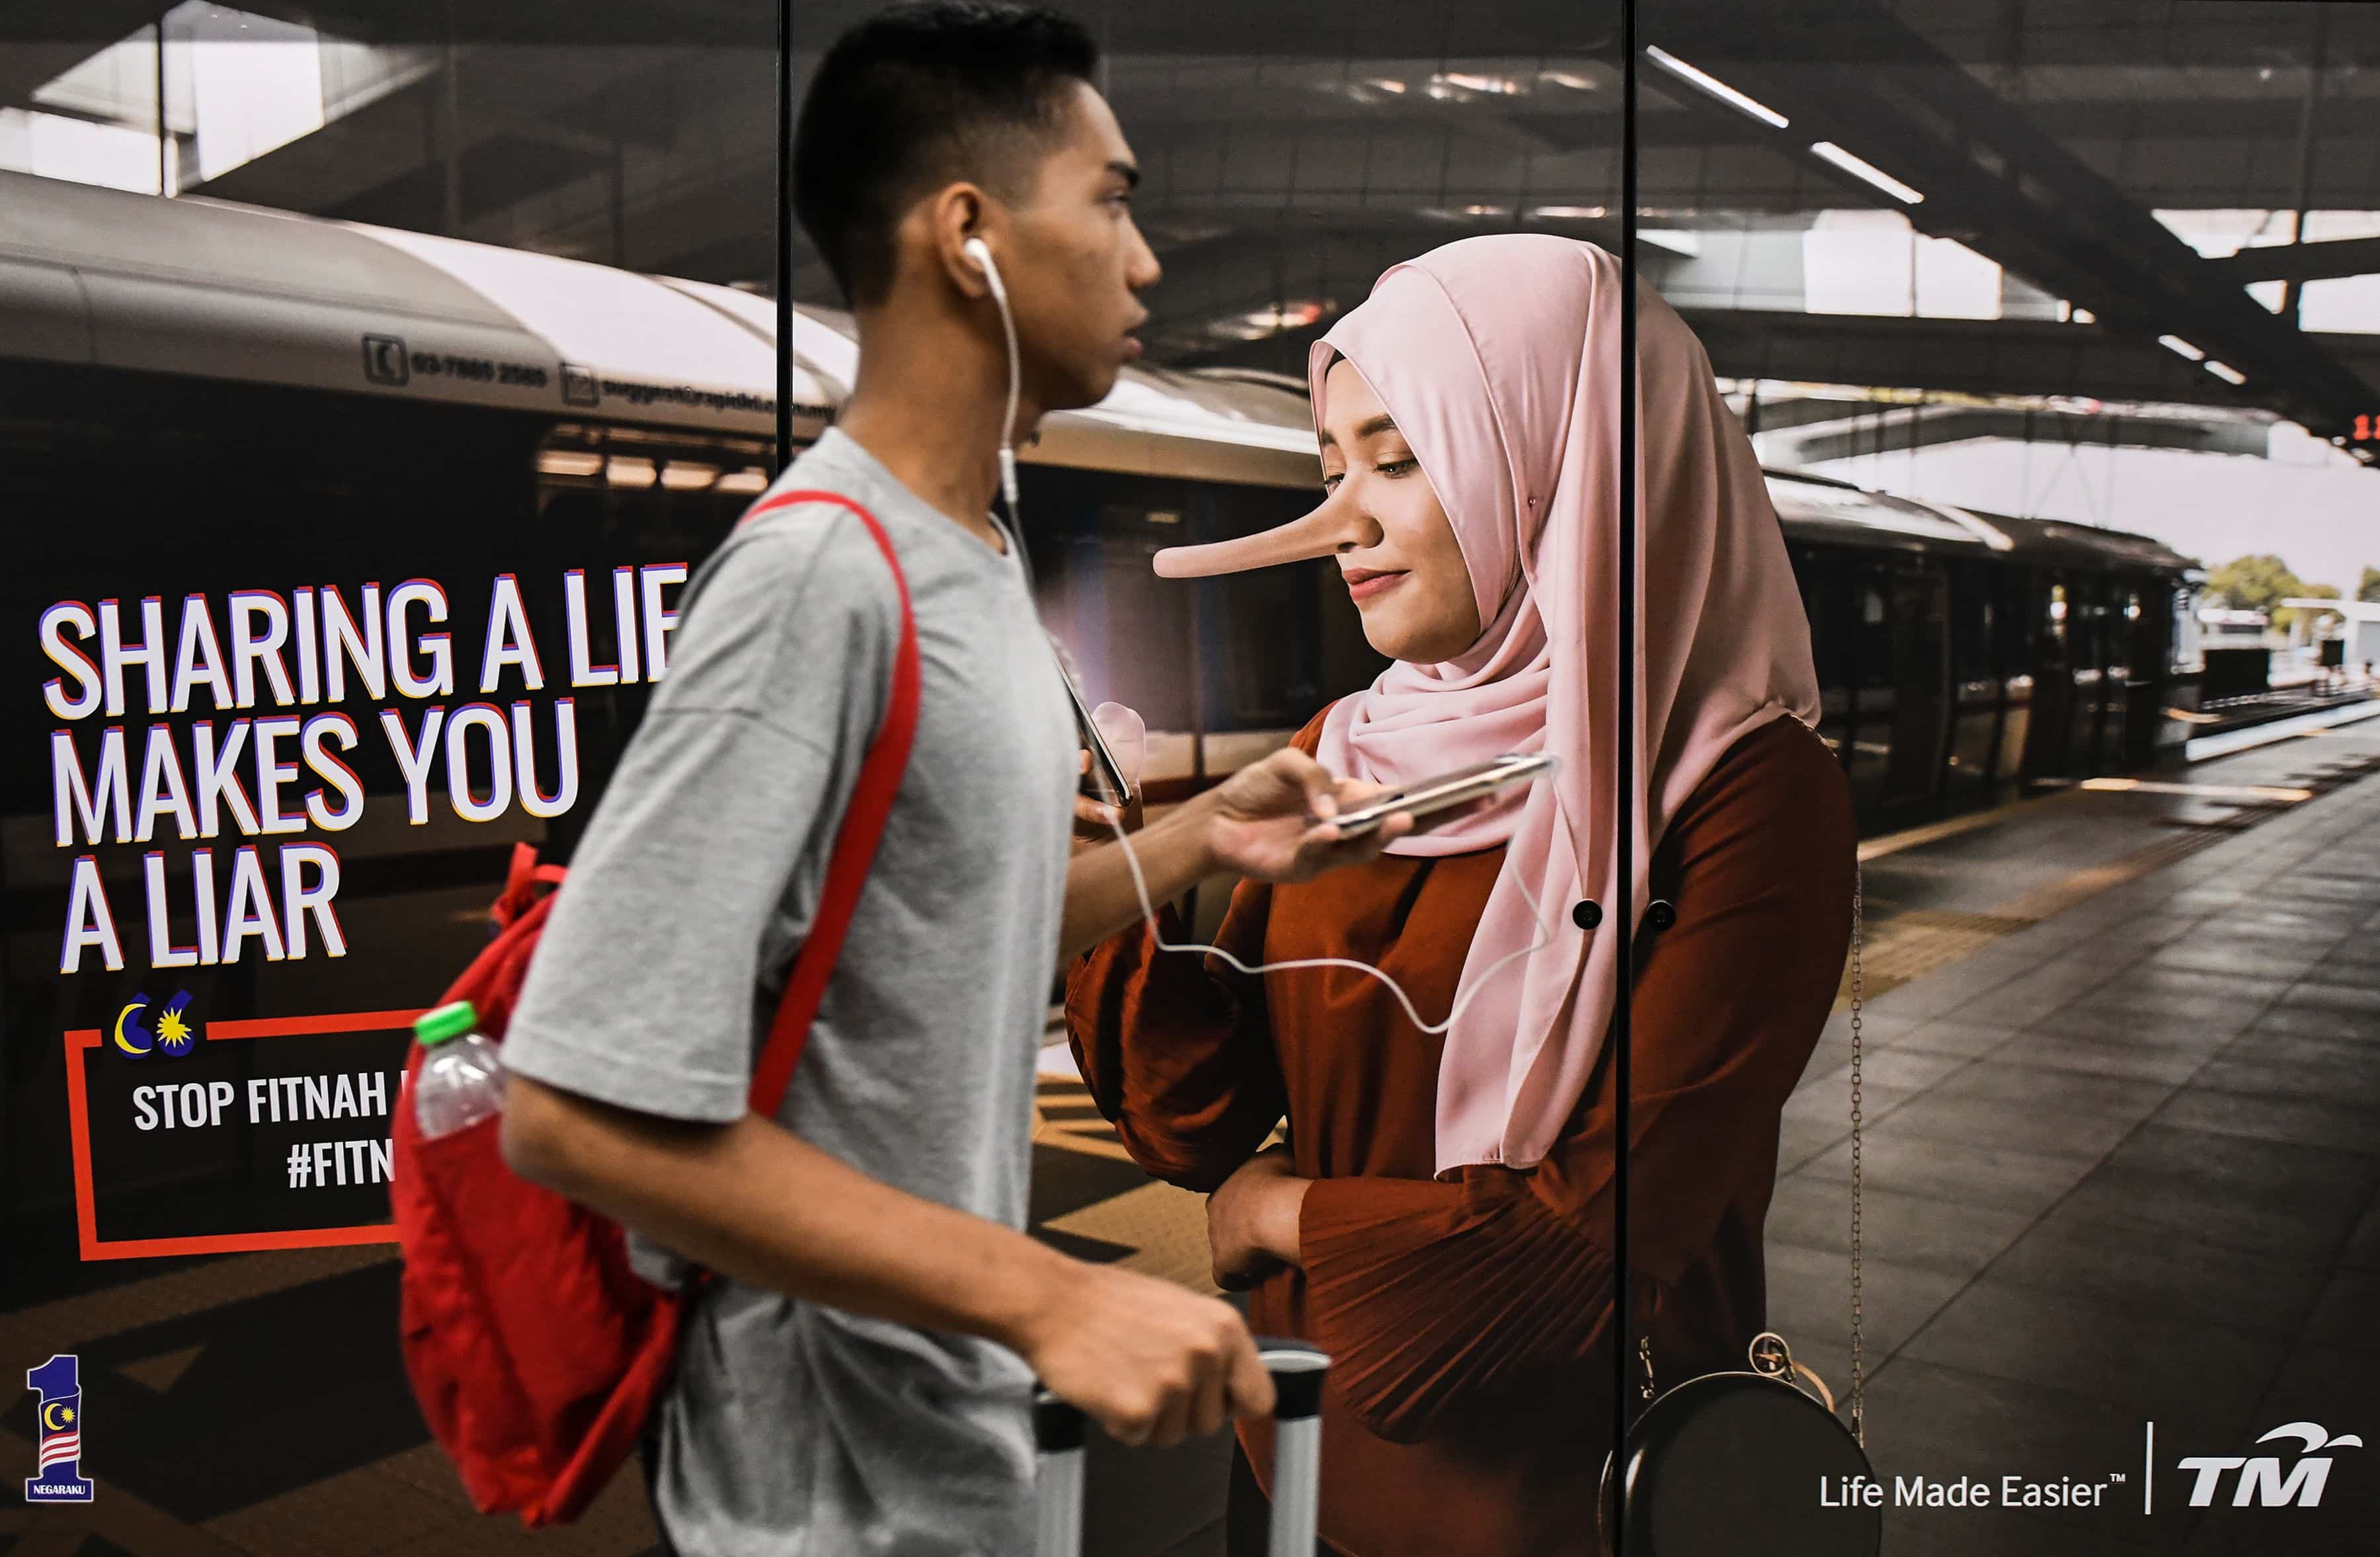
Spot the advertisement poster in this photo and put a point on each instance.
(376, 381)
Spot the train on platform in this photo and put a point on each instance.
(201, 398)
(341, 561)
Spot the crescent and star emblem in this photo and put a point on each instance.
(126, 1044)
(57, 1415)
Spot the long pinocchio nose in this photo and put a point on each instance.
(1318, 534)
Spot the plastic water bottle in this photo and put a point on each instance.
(461, 1082)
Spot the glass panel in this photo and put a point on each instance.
(357, 459)
(2087, 288)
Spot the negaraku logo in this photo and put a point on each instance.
(2260, 1479)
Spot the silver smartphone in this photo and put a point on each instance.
(1445, 792)
(1105, 782)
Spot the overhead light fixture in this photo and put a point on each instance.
(1387, 84)
(1866, 172)
(2180, 347)
(1706, 82)
(685, 475)
(631, 470)
(2084, 316)
(1567, 213)
(750, 479)
(1565, 79)
(2225, 371)
(1486, 210)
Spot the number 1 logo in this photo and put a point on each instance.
(58, 1381)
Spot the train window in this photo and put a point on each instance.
(1268, 651)
(1971, 621)
(1824, 577)
(1873, 654)
(2185, 655)
(2011, 618)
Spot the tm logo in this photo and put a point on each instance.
(59, 1384)
(2259, 1479)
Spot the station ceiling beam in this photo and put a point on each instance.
(1976, 355)
(2301, 262)
(1993, 179)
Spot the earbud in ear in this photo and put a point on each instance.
(980, 252)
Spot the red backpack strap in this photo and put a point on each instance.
(521, 881)
(855, 844)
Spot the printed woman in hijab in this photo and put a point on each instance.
(1440, 1217)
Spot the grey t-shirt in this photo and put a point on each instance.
(797, 1429)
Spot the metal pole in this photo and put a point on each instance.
(1297, 1374)
(450, 129)
(2306, 116)
(1058, 1430)
(785, 234)
(1622, 915)
(165, 133)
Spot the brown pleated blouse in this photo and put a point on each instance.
(1469, 1408)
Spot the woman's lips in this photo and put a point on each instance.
(1364, 584)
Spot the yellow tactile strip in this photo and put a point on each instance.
(1908, 945)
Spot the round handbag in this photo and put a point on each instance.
(1732, 1465)
(1739, 1464)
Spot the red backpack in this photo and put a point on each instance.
(537, 1353)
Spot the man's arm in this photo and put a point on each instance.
(1269, 820)
(751, 1201)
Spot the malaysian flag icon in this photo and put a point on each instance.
(58, 1382)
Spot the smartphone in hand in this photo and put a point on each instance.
(1445, 792)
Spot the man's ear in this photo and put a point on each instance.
(949, 218)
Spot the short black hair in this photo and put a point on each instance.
(915, 97)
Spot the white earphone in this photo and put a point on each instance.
(980, 252)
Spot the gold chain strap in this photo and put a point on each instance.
(1859, 1393)
(1859, 1388)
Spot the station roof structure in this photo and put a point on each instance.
(2040, 212)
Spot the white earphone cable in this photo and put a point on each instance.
(982, 252)
(1462, 997)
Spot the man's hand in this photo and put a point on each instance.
(1252, 1224)
(1150, 1363)
(1271, 820)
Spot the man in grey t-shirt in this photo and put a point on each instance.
(857, 1381)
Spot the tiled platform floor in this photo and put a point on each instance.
(2122, 1166)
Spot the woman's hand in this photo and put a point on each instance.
(1252, 1221)
(1271, 820)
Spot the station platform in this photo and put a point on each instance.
(2119, 1084)
(2121, 1073)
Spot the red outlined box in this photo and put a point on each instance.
(80, 1041)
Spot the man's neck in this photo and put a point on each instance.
(927, 406)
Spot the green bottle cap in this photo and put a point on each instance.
(434, 1028)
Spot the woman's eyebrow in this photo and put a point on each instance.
(1367, 429)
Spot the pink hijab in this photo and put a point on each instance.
(1500, 358)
